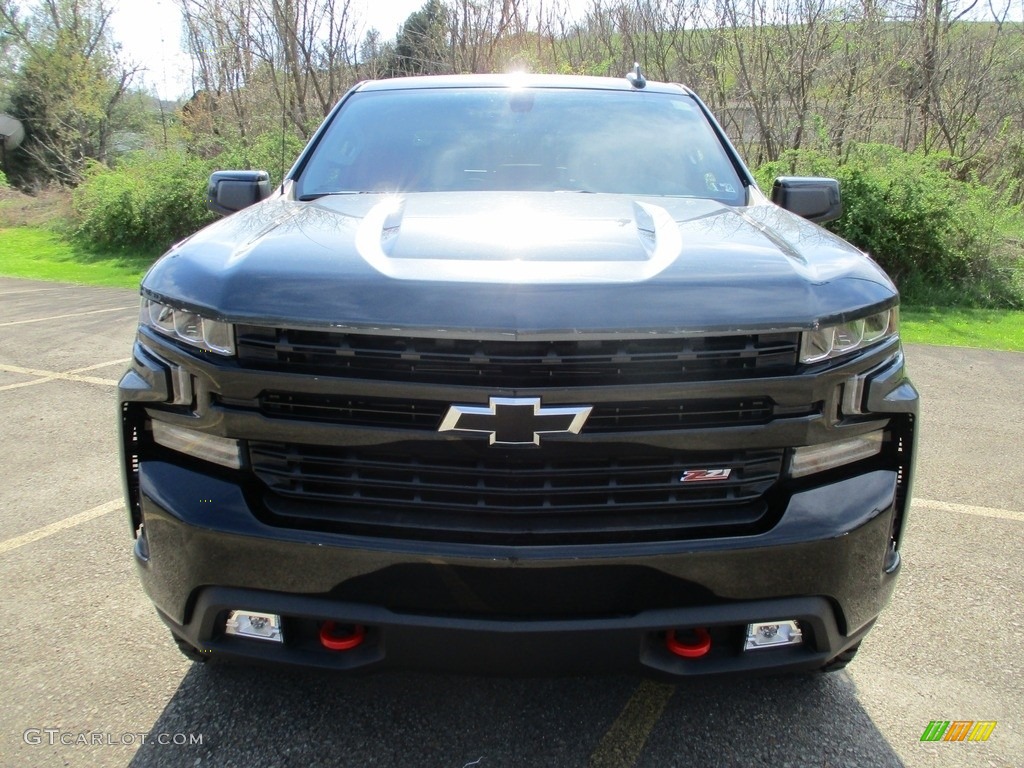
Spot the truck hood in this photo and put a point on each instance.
(519, 264)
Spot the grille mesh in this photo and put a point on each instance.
(453, 492)
(606, 417)
(517, 363)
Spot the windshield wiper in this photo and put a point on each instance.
(318, 195)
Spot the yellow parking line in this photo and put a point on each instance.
(623, 743)
(969, 509)
(119, 361)
(22, 384)
(60, 525)
(63, 317)
(30, 290)
(45, 376)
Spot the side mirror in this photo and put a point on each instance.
(230, 191)
(815, 199)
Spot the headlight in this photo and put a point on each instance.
(202, 332)
(834, 340)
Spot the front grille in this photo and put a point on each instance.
(462, 491)
(512, 364)
(606, 417)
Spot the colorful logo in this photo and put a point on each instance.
(704, 475)
(958, 730)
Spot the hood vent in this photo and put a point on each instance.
(520, 244)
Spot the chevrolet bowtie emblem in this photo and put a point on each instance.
(514, 420)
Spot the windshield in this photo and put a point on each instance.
(507, 139)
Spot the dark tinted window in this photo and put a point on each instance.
(637, 143)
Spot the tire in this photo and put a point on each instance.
(840, 661)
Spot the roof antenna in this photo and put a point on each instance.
(636, 77)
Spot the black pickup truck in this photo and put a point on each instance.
(519, 374)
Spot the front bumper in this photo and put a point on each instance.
(826, 556)
(530, 610)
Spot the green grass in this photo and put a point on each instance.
(44, 255)
(959, 327)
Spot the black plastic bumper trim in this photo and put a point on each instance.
(458, 644)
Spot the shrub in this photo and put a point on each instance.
(151, 200)
(3, 181)
(147, 201)
(933, 234)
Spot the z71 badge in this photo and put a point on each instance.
(704, 475)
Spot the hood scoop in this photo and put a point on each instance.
(514, 240)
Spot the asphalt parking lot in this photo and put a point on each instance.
(89, 676)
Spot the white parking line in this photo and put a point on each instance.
(62, 317)
(60, 525)
(969, 509)
(47, 376)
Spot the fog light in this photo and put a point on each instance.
(219, 450)
(262, 626)
(819, 458)
(771, 634)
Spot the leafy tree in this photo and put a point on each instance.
(8, 56)
(68, 89)
(422, 41)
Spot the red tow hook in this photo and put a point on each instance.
(689, 649)
(349, 637)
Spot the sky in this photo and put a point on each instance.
(149, 32)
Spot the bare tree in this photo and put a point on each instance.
(780, 74)
(259, 60)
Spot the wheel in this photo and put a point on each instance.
(189, 651)
(840, 661)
